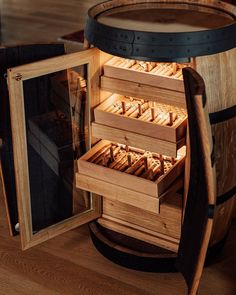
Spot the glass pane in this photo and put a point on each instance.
(56, 110)
(167, 17)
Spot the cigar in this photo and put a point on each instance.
(124, 166)
(129, 158)
(169, 72)
(135, 67)
(117, 160)
(134, 114)
(149, 172)
(162, 166)
(146, 164)
(177, 121)
(140, 170)
(174, 67)
(140, 111)
(140, 68)
(120, 163)
(99, 153)
(158, 119)
(157, 67)
(156, 173)
(127, 164)
(145, 114)
(178, 74)
(111, 154)
(123, 107)
(136, 165)
(132, 109)
(151, 166)
(150, 175)
(171, 118)
(172, 161)
(143, 65)
(99, 160)
(150, 66)
(104, 160)
(153, 114)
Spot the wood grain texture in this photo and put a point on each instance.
(139, 233)
(168, 222)
(219, 74)
(137, 140)
(70, 264)
(197, 224)
(142, 90)
(143, 78)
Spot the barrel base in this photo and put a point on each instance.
(130, 252)
(138, 255)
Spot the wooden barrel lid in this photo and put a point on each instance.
(162, 30)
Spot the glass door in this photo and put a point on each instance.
(50, 106)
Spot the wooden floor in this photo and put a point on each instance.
(70, 264)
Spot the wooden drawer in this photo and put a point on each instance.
(161, 229)
(167, 222)
(127, 188)
(124, 87)
(121, 68)
(138, 140)
(160, 128)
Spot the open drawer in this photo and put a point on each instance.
(163, 75)
(134, 177)
(157, 120)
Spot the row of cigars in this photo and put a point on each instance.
(133, 161)
(173, 70)
(159, 113)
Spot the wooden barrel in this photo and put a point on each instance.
(200, 31)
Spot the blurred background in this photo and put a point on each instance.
(33, 21)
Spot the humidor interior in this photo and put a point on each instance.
(137, 163)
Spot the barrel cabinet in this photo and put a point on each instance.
(135, 135)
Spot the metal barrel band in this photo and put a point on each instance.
(211, 211)
(159, 46)
(223, 115)
(226, 196)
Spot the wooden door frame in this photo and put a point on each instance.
(16, 77)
